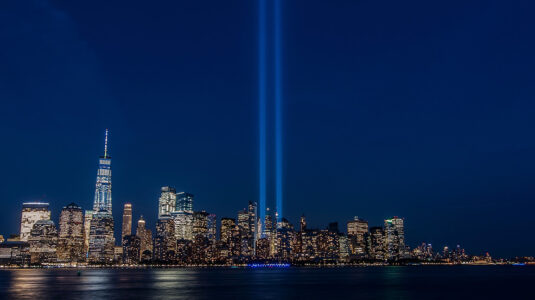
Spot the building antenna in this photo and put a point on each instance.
(106, 144)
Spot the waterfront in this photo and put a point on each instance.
(410, 282)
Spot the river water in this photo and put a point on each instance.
(410, 282)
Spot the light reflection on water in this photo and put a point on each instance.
(311, 283)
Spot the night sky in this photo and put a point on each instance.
(418, 109)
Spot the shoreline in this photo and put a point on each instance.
(141, 267)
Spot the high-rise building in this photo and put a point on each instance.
(127, 220)
(184, 202)
(377, 243)
(131, 249)
(71, 234)
(357, 230)
(101, 238)
(246, 240)
(165, 241)
(251, 211)
(302, 223)
(283, 240)
(183, 222)
(227, 225)
(268, 224)
(103, 186)
(344, 247)
(145, 236)
(43, 242)
(31, 213)
(200, 224)
(88, 215)
(394, 238)
(167, 201)
(212, 228)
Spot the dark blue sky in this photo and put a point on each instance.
(420, 109)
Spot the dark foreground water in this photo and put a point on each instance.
(415, 282)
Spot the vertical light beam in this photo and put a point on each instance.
(262, 107)
(278, 111)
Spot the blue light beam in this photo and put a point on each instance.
(262, 107)
(278, 111)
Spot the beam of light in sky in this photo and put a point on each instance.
(278, 111)
(262, 106)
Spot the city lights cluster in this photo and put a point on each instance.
(183, 236)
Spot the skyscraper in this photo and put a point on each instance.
(268, 224)
(377, 243)
(357, 230)
(43, 241)
(302, 223)
(71, 234)
(212, 228)
(167, 201)
(251, 210)
(127, 220)
(88, 216)
(394, 238)
(103, 186)
(165, 241)
(101, 239)
(200, 224)
(227, 225)
(31, 213)
(183, 222)
(145, 235)
(131, 249)
(184, 202)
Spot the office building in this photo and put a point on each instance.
(127, 220)
(131, 249)
(71, 234)
(43, 242)
(31, 213)
(394, 238)
(167, 201)
(357, 229)
(145, 236)
(184, 202)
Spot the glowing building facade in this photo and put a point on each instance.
(357, 230)
(167, 201)
(394, 238)
(88, 216)
(101, 238)
(31, 213)
(165, 241)
(145, 236)
(184, 202)
(127, 220)
(43, 242)
(183, 222)
(102, 202)
(200, 224)
(71, 234)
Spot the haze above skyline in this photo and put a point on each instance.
(419, 110)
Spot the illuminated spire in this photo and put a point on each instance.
(106, 144)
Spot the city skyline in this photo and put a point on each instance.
(102, 200)
(89, 236)
(423, 111)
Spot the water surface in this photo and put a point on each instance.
(414, 282)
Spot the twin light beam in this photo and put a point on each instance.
(262, 107)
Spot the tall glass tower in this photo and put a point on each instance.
(102, 201)
(101, 239)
